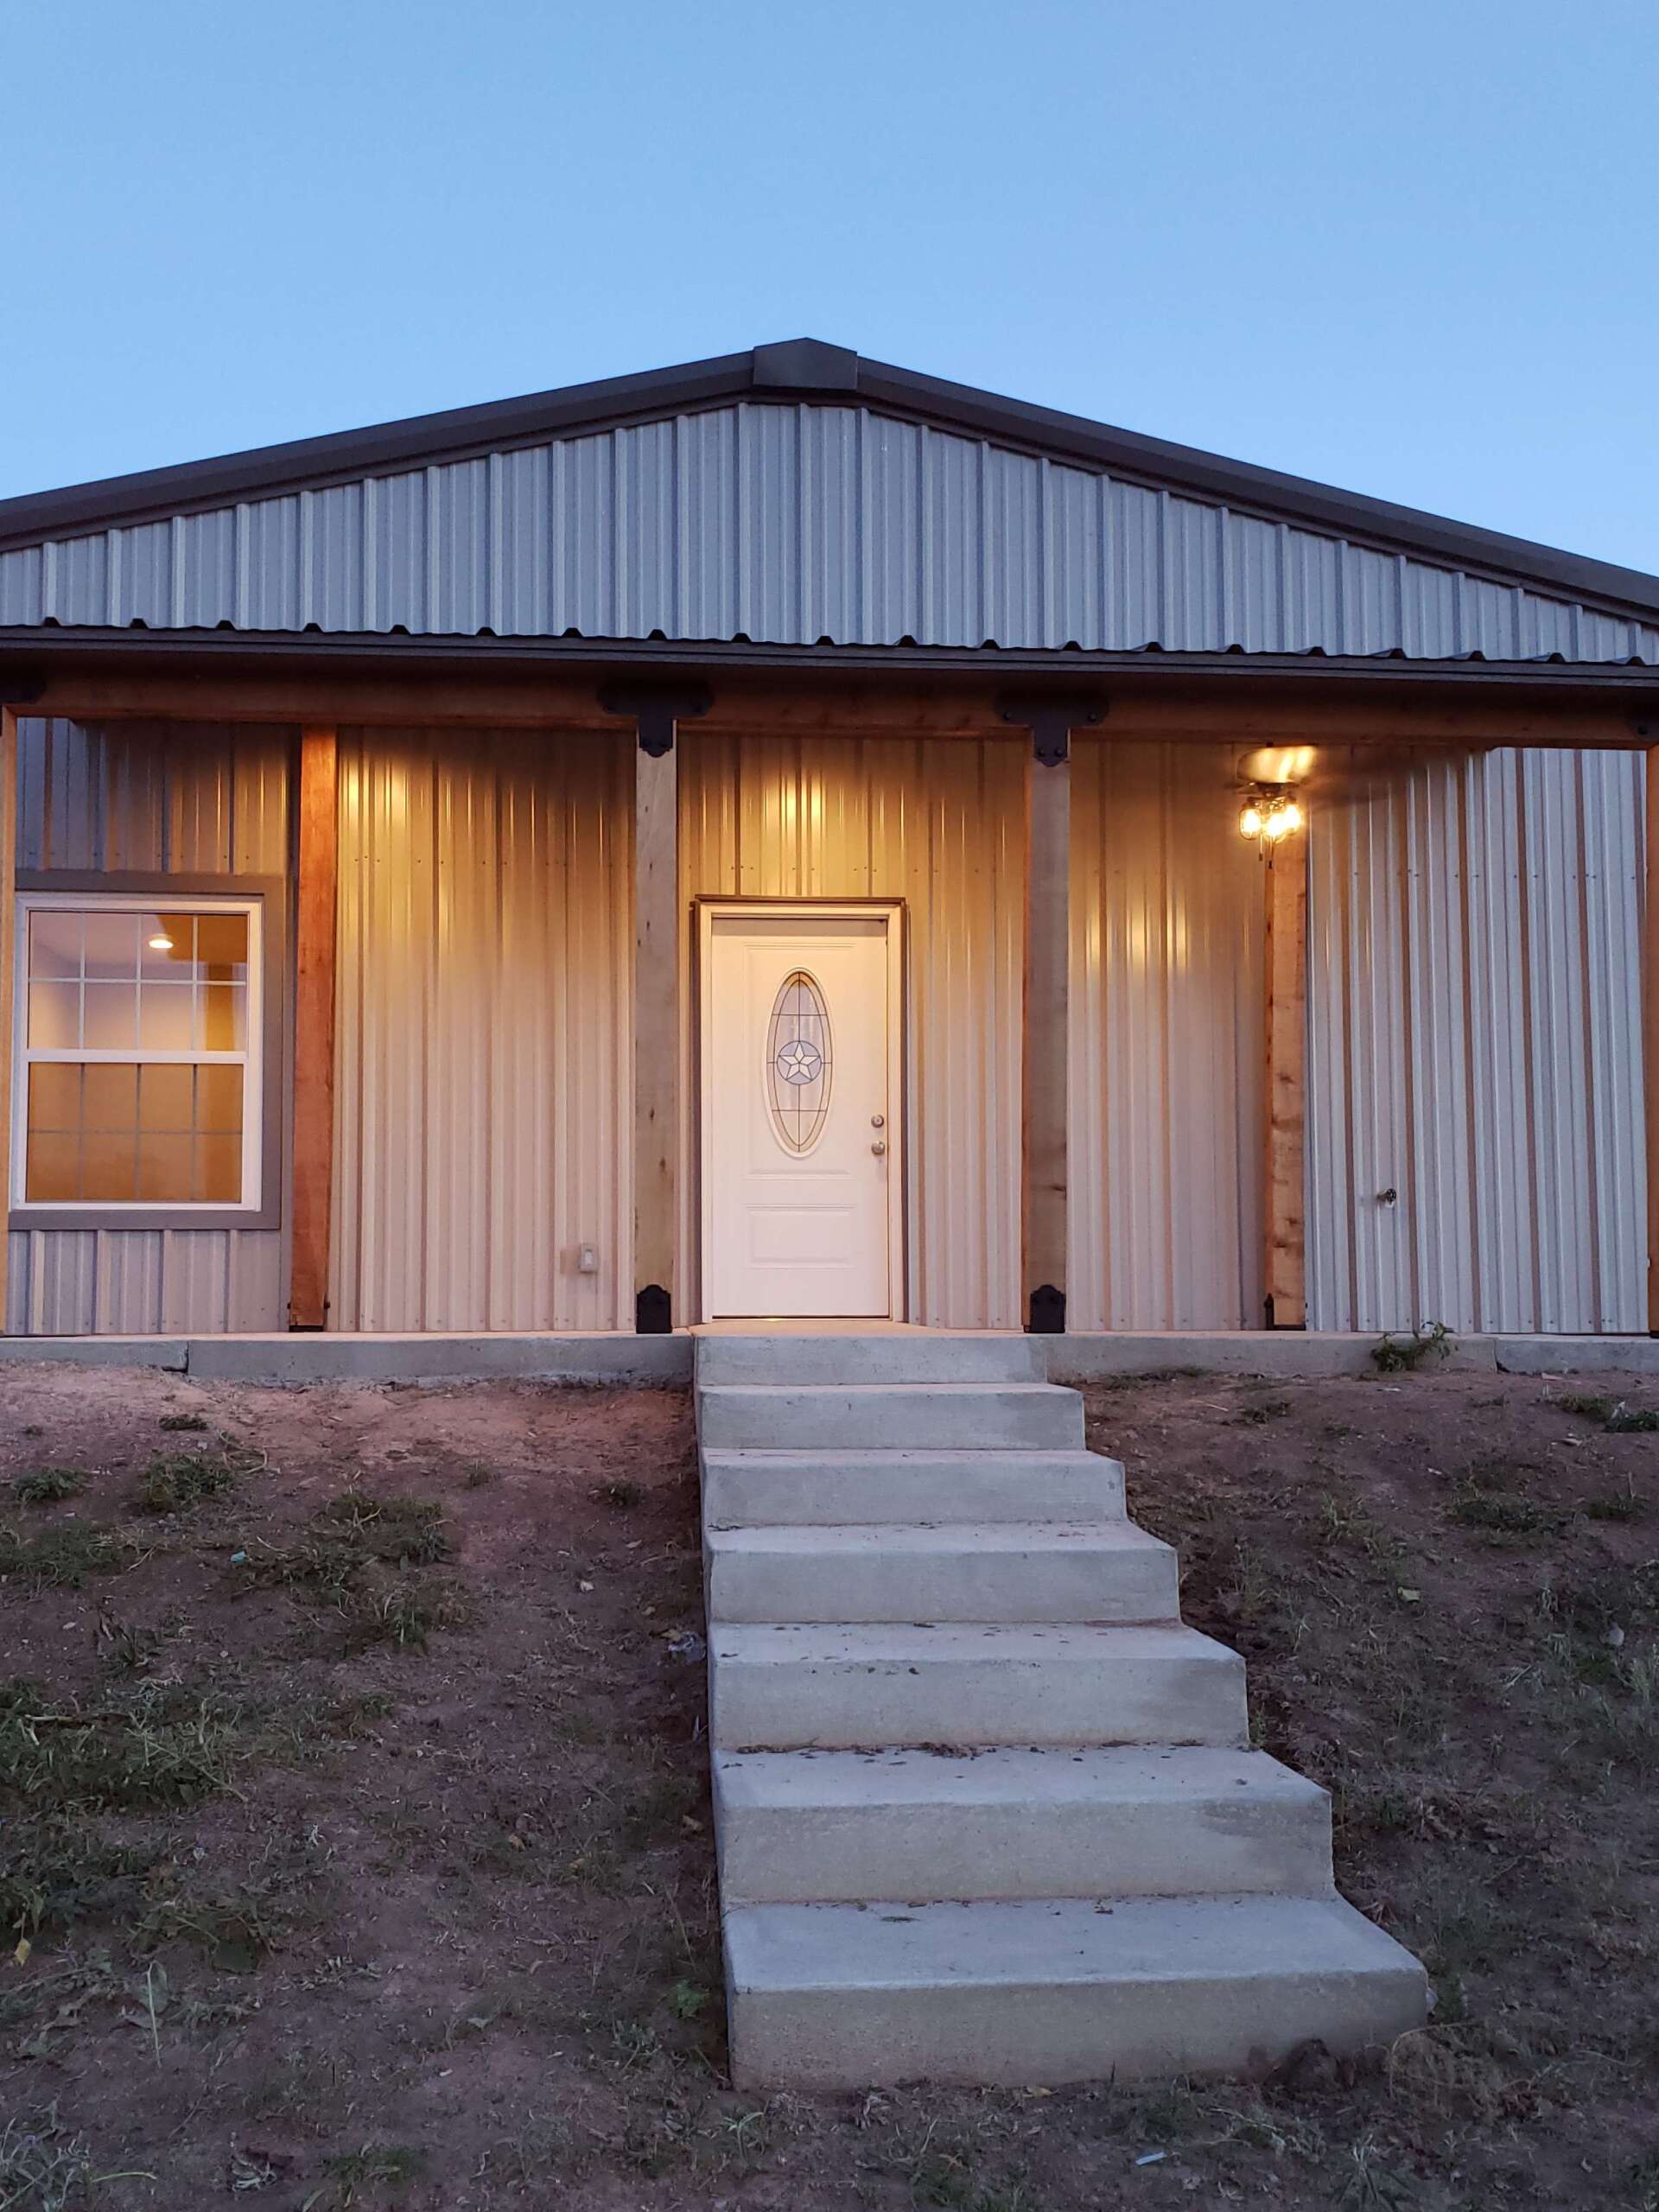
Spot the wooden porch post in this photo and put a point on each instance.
(8, 970)
(314, 1030)
(1285, 1270)
(1044, 1177)
(1650, 1029)
(656, 711)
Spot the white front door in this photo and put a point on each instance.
(800, 1113)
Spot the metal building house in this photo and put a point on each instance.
(764, 838)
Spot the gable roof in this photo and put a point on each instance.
(797, 494)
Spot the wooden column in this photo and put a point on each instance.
(1650, 1027)
(656, 1034)
(314, 1030)
(1045, 1055)
(1286, 1271)
(9, 1012)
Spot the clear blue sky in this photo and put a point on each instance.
(1406, 246)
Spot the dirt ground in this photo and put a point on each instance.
(355, 1850)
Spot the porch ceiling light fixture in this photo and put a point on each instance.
(1269, 815)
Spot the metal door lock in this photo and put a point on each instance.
(877, 1121)
(878, 1148)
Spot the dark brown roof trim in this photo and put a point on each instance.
(29, 658)
(806, 368)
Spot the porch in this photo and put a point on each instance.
(1126, 1094)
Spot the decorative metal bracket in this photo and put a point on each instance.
(1051, 717)
(20, 685)
(655, 708)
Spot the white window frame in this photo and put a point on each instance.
(250, 1061)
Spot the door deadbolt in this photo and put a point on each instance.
(877, 1121)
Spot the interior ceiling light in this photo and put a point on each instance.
(161, 942)
(1269, 816)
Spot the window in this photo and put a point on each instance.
(139, 1028)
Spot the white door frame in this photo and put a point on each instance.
(892, 911)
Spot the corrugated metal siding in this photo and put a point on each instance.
(196, 799)
(1475, 1045)
(1167, 1026)
(941, 826)
(200, 800)
(786, 524)
(482, 1071)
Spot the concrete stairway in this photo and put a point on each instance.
(986, 1810)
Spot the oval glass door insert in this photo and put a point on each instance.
(799, 1061)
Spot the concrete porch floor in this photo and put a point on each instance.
(616, 1356)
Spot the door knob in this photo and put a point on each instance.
(878, 1148)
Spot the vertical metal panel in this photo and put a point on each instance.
(939, 826)
(1167, 1068)
(786, 524)
(481, 1086)
(195, 799)
(1475, 1047)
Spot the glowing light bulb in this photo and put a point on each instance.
(161, 942)
(1249, 822)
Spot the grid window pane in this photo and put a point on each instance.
(109, 1167)
(167, 1020)
(133, 1130)
(218, 1171)
(166, 1100)
(111, 945)
(218, 1100)
(53, 943)
(111, 1096)
(55, 1096)
(109, 1019)
(53, 1017)
(166, 944)
(222, 947)
(52, 1169)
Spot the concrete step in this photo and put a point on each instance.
(848, 1687)
(894, 1355)
(993, 1571)
(898, 1416)
(810, 1826)
(837, 1996)
(760, 1490)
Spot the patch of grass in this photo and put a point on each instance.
(178, 1480)
(400, 1531)
(139, 1754)
(405, 1615)
(59, 1871)
(1632, 1421)
(1617, 1505)
(1586, 1405)
(42, 2167)
(621, 1497)
(1265, 1410)
(182, 1422)
(392, 2166)
(1501, 1513)
(1405, 1355)
(236, 1928)
(61, 1558)
(49, 1486)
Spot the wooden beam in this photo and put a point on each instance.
(816, 703)
(8, 964)
(313, 1029)
(1650, 1010)
(1044, 1057)
(656, 1036)
(1285, 1270)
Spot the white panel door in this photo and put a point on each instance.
(800, 1110)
